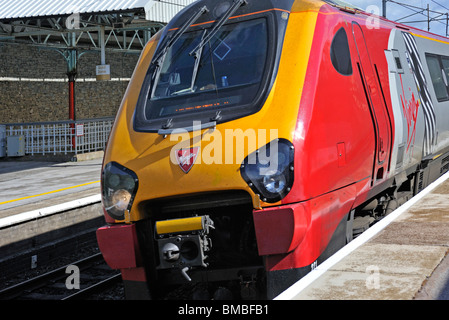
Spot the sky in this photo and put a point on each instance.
(395, 12)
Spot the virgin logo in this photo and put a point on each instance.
(186, 158)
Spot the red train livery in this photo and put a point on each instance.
(257, 137)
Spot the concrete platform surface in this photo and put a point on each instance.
(402, 257)
(30, 185)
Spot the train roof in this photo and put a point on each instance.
(349, 8)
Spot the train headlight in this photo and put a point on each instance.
(269, 170)
(275, 182)
(119, 186)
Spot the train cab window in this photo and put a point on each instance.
(340, 55)
(439, 79)
(227, 72)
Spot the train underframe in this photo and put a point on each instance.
(399, 190)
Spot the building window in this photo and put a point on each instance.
(340, 55)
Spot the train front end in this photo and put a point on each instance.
(202, 144)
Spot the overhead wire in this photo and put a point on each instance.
(421, 12)
(440, 4)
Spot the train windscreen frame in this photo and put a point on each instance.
(209, 89)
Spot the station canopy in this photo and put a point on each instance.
(127, 24)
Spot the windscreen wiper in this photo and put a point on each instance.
(158, 59)
(197, 64)
(235, 6)
(180, 32)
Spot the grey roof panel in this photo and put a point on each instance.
(14, 9)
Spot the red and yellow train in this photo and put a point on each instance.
(257, 137)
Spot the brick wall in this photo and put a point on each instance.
(34, 87)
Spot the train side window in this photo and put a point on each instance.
(340, 55)
(445, 61)
(437, 74)
(397, 61)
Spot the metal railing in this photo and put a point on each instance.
(63, 137)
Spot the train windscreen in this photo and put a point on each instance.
(226, 71)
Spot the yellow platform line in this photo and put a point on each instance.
(50, 192)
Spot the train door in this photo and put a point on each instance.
(378, 109)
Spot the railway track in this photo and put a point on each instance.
(92, 272)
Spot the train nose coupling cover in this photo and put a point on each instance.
(183, 243)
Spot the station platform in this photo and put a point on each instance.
(46, 210)
(32, 185)
(402, 257)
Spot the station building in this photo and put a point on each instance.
(66, 65)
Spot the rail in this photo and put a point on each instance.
(98, 277)
(62, 137)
